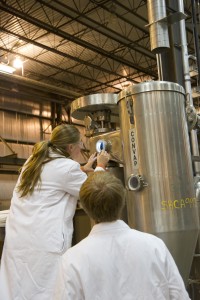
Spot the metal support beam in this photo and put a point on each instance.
(7, 160)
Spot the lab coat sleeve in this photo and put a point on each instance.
(177, 289)
(73, 179)
(99, 169)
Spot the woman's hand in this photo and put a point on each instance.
(88, 166)
(102, 159)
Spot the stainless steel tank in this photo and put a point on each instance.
(158, 168)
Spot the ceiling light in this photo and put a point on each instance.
(6, 69)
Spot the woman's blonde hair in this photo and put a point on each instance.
(61, 136)
(102, 196)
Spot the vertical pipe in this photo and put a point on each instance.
(53, 114)
(184, 51)
(187, 81)
(172, 64)
(196, 39)
(59, 114)
(159, 65)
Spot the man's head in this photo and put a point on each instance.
(102, 196)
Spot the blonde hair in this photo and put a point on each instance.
(61, 136)
(102, 196)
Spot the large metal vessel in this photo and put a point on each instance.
(158, 168)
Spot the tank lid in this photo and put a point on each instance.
(93, 103)
(149, 86)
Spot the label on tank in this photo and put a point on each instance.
(133, 148)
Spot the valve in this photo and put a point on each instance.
(136, 182)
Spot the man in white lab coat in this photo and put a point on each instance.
(115, 262)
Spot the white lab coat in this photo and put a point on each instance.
(117, 263)
(38, 231)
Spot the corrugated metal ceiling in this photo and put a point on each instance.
(82, 46)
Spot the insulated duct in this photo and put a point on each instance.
(158, 27)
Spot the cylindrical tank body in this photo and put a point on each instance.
(156, 147)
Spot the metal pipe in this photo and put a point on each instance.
(184, 51)
(196, 38)
(187, 81)
(159, 65)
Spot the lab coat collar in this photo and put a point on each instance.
(55, 155)
(109, 226)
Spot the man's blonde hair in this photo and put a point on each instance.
(102, 196)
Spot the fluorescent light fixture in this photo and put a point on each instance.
(6, 69)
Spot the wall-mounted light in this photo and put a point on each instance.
(17, 63)
(11, 65)
(6, 69)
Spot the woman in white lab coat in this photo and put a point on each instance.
(39, 226)
(116, 262)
